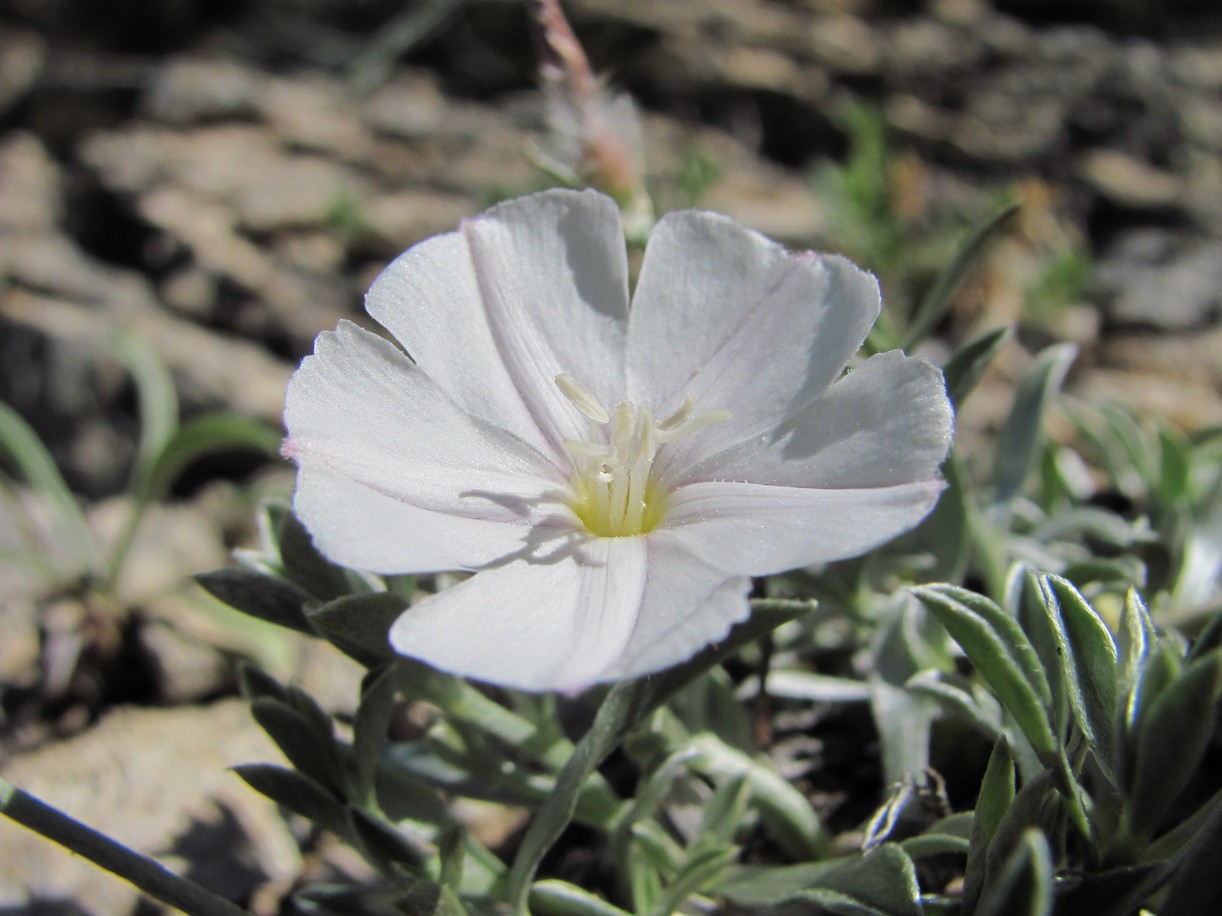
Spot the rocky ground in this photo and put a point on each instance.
(223, 180)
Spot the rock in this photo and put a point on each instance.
(22, 58)
(1157, 279)
(409, 106)
(845, 44)
(313, 112)
(191, 90)
(210, 369)
(1130, 182)
(157, 781)
(29, 185)
(172, 542)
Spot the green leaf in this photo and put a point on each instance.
(937, 300)
(966, 367)
(883, 881)
(625, 705)
(369, 728)
(210, 434)
(952, 834)
(1174, 468)
(762, 886)
(1172, 735)
(1023, 886)
(427, 898)
(260, 596)
(298, 736)
(1195, 889)
(1037, 807)
(903, 719)
(559, 898)
(359, 625)
(305, 567)
(793, 684)
(946, 531)
(1001, 652)
(701, 868)
(156, 397)
(1019, 440)
(723, 813)
(996, 795)
(23, 447)
(1137, 639)
(782, 807)
(298, 793)
(959, 699)
(1161, 669)
(389, 849)
(452, 852)
(1088, 657)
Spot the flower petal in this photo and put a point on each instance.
(687, 605)
(393, 475)
(533, 625)
(605, 609)
(741, 324)
(887, 422)
(757, 530)
(494, 312)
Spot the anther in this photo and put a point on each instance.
(582, 398)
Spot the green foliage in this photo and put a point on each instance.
(165, 449)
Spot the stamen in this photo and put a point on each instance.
(615, 492)
(581, 397)
(679, 416)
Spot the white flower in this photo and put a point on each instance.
(613, 476)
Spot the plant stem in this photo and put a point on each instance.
(150, 877)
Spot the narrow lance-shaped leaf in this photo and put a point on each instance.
(259, 596)
(1024, 885)
(391, 850)
(1172, 735)
(881, 882)
(1137, 638)
(996, 796)
(1088, 658)
(156, 398)
(702, 868)
(785, 810)
(936, 301)
(559, 898)
(297, 793)
(966, 367)
(1002, 654)
(22, 445)
(1027, 597)
(369, 728)
(358, 625)
(1020, 437)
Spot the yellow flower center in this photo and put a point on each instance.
(614, 491)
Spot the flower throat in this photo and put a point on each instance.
(615, 492)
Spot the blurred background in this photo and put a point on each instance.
(191, 190)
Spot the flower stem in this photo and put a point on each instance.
(150, 877)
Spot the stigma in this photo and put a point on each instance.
(615, 491)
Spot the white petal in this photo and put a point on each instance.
(887, 422)
(534, 625)
(687, 605)
(395, 477)
(494, 312)
(757, 530)
(740, 323)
